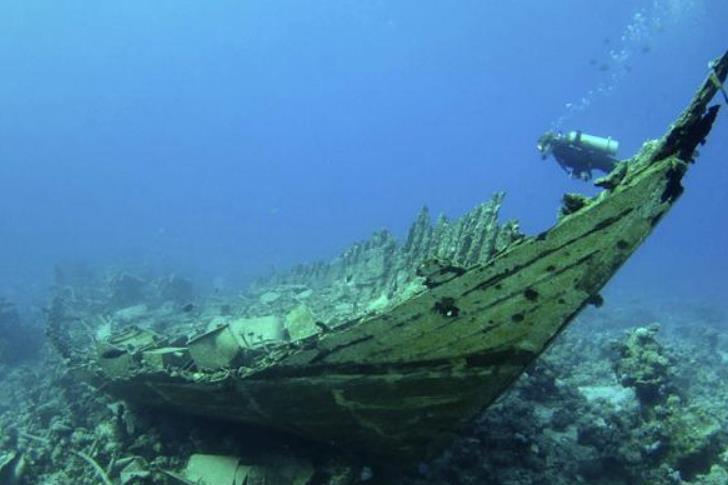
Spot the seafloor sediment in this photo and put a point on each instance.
(634, 394)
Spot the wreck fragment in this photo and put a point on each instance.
(464, 307)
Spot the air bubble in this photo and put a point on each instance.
(638, 34)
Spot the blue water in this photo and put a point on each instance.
(222, 139)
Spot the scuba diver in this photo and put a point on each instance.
(578, 153)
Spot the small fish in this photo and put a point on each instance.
(188, 307)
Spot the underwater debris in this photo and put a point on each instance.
(405, 379)
(211, 469)
(12, 465)
(613, 178)
(382, 266)
(572, 203)
(97, 468)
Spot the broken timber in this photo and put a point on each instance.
(405, 382)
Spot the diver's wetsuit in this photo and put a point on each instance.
(580, 161)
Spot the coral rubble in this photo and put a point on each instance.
(391, 350)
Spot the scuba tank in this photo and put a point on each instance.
(607, 146)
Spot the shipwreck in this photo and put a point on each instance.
(391, 349)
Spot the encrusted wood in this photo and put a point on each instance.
(405, 381)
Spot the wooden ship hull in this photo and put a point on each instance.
(401, 384)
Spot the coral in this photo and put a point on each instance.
(645, 365)
(569, 419)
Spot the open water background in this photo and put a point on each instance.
(223, 139)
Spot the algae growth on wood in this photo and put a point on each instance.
(390, 349)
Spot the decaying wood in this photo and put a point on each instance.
(404, 382)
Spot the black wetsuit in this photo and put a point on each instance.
(580, 161)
